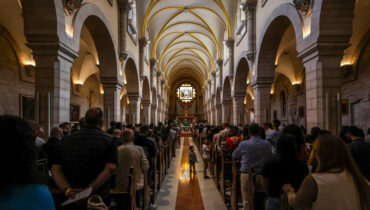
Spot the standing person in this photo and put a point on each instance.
(130, 155)
(117, 137)
(225, 132)
(66, 127)
(360, 151)
(336, 184)
(51, 147)
(234, 138)
(87, 158)
(274, 135)
(150, 149)
(206, 154)
(297, 133)
(283, 168)
(192, 159)
(253, 154)
(19, 187)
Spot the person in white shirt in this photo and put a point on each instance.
(206, 152)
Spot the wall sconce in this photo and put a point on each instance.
(297, 86)
(346, 69)
(30, 69)
(78, 86)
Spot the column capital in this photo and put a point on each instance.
(143, 42)
(135, 98)
(264, 82)
(230, 43)
(111, 82)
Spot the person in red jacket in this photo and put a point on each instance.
(233, 140)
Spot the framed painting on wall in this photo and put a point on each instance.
(74, 113)
(345, 106)
(27, 107)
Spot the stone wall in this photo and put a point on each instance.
(89, 93)
(11, 84)
(358, 93)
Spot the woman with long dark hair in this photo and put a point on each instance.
(297, 133)
(337, 182)
(282, 168)
(19, 188)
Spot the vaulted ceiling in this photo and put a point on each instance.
(186, 34)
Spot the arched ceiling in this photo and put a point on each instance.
(186, 34)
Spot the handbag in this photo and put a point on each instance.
(95, 202)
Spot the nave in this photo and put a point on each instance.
(183, 190)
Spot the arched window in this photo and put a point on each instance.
(283, 103)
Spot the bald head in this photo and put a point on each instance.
(94, 117)
(128, 135)
(56, 133)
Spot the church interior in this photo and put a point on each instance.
(183, 73)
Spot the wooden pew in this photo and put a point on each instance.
(255, 186)
(156, 176)
(235, 189)
(146, 192)
(217, 166)
(226, 177)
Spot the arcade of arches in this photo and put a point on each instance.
(148, 61)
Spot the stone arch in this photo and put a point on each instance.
(241, 74)
(93, 18)
(277, 23)
(359, 50)
(51, 28)
(132, 77)
(154, 97)
(329, 23)
(15, 81)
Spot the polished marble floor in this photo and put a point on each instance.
(182, 190)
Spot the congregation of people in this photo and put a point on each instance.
(303, 171)
(77, 157)
(293, 169)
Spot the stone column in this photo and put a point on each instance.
(226, 111)
(112, 102)
(238, 109)
(142, 44)
(262, 106)
(123, 120)
(230, 50)
(154, 115)
(159, 117)
(53, 82)
(134, 114)
(153, 72)
(146, 112)
(218, 114)
(219, 71)
(323, 81)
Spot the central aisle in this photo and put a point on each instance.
(181, 191)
